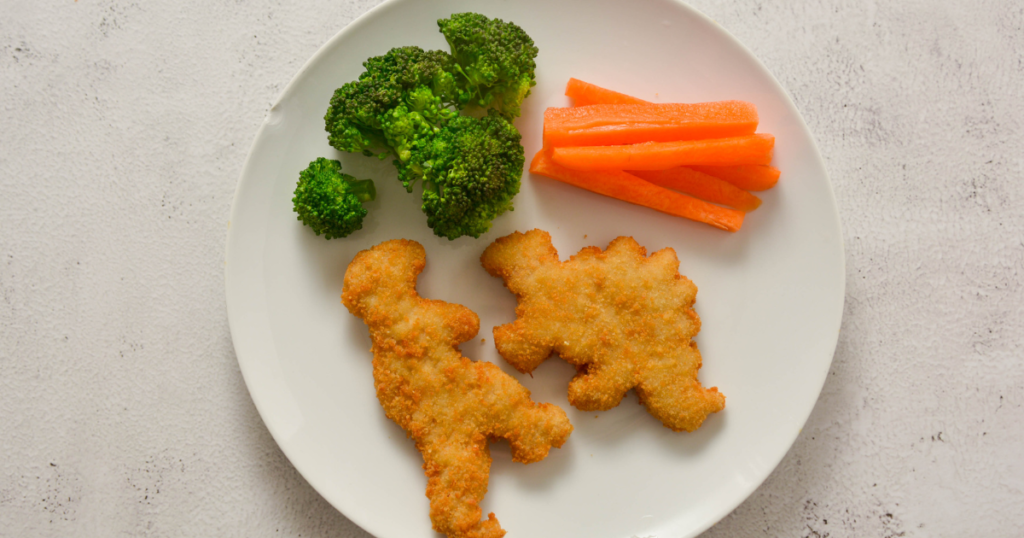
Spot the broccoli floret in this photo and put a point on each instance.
(410, 67)
(406, 103)
(495, 59)
(353, 120)
(329, 201)
(363, 113)
(471, 171)
(414, 123)
(403, 128)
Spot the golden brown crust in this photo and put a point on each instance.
(448, 404)
(623, 319)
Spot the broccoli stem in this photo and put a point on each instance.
(363, 189)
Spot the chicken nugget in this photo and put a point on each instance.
(449, 405)
(623, 319)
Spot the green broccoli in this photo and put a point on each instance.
(353, 120)
(410, 67)
(471, 170)
(406, 104)
(367, 115)
(495, 59)
(329, 201)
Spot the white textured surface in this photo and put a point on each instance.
(124, 129)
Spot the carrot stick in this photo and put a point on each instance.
(581, 117)
(700, 185)
(585, 93)
(750, 149)
(610, 125)
(747, 177)
(629, 188)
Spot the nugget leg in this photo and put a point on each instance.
(531, 428)
(535, 430)
(600, 387)
(457, 472)
(674, 396)
(518, 345)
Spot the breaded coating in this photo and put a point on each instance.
(447, 403)
(623, 319)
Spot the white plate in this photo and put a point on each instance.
(770, 298)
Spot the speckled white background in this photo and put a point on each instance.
(123, 129)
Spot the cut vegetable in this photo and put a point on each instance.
(701, 185)
(750, 149)
(747, 177)
(629, 188)
(610, 125)
(585, 93)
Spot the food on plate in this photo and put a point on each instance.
(749, 149)
(751, 177)
(630, 188)
(406, 105)
(471, 169)
(495, 61)
(612, 143)
(402, 96)
(624, 319)
(448, 404)
(585, 93)
(610, 125)
(330, 201)
(701, 185)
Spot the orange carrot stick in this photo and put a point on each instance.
(700, 185)
(610, 125)
(585, 93)
(747, 177)
(629, 188)
(750, 149)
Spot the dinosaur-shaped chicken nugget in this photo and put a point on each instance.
(447, 403)
(623, 319)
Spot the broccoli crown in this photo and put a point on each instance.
(362, 112)
(353, 120)
(412, 125)
(495, 59)
(471, 171)
(329, 201)
(412, 66)
(406, 103)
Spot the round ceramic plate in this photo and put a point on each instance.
(770, 298)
